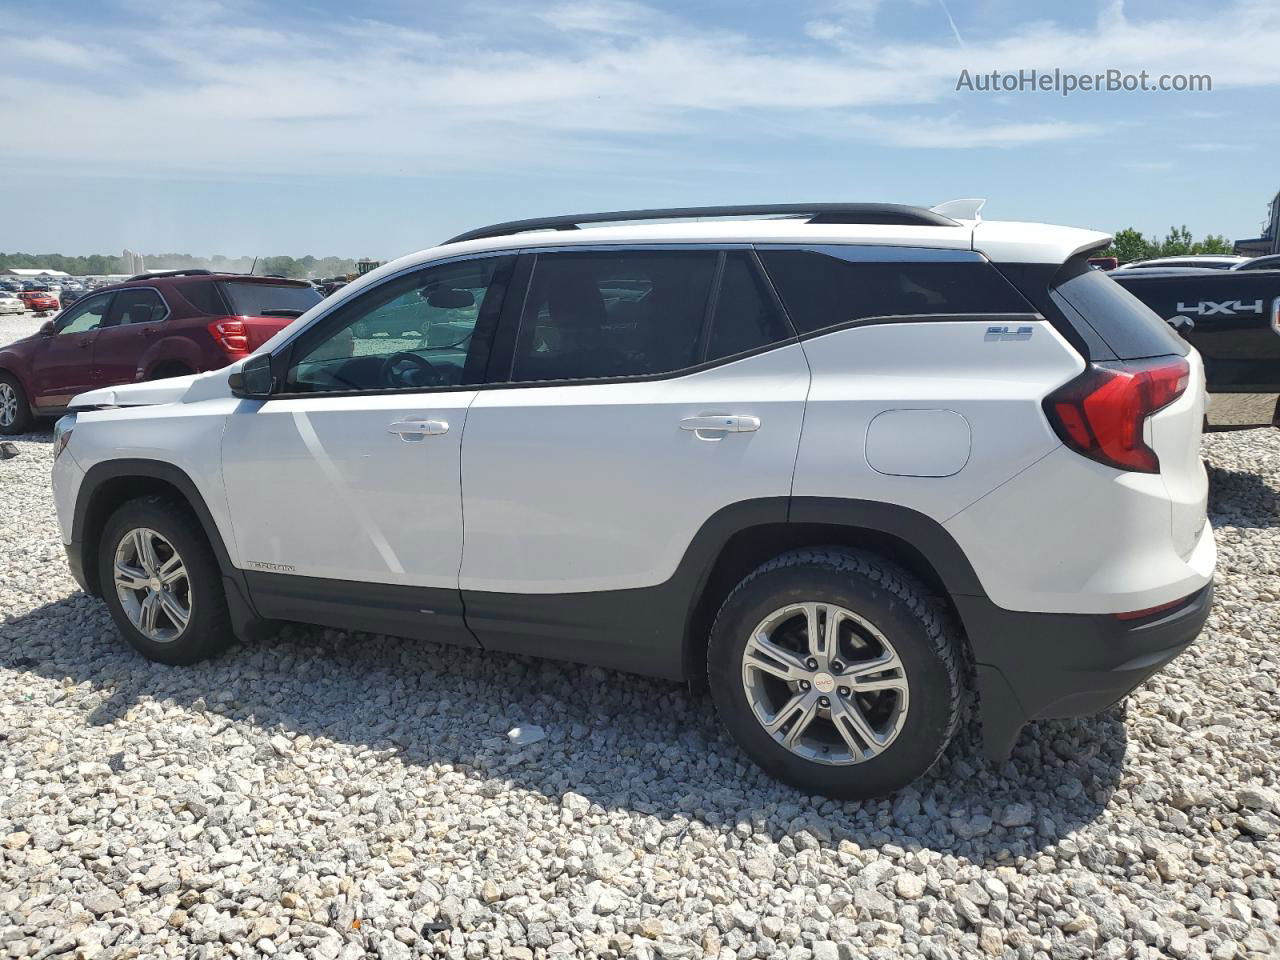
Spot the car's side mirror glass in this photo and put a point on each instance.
(47, 329)
(253, 380)
(1182, 325)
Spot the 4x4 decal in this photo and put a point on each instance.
(1229, 308)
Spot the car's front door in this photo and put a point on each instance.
(648, 391)
(133, 320)
(345, 488)
(63, 364)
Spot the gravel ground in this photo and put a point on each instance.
(323, 795)
(15, 326)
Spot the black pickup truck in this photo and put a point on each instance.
(1233, 318)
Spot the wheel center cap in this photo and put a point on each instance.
(155, 584)
(824, 682)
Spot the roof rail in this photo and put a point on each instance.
(191, 272)
(881, 213)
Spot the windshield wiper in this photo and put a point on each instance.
(282, 313)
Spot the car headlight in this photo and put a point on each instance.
(62, 433)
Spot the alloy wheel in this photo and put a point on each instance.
(152, 584)
(8, 405)
(825, 683)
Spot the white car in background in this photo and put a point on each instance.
(9, 303)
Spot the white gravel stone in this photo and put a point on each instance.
(263, 803)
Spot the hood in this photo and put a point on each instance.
(188, 389)
(136, 394)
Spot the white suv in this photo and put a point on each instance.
(844, 461)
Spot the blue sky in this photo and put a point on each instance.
(273, 127)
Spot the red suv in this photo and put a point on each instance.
(149, 327)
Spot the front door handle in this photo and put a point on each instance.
(412, 430)
(728, 423)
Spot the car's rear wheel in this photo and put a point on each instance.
(161, 582)
(15, 409)
(837, 672)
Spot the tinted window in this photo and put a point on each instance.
(746, 317)
(610, 314)
(137, 306)
(249, 299)
(1131, 329)
(823, 289)
(412, 331)
(204, 296)
(85, 315)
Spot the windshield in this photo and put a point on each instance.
(248, 299)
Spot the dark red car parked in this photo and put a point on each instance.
(149, 327)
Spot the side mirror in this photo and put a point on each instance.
(1182, 325)
(47, 329)
(253, 381)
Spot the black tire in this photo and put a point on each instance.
(901, 609)
(22, 419)
(208, 631)
(167, 370)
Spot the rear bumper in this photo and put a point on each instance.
(1037, 666)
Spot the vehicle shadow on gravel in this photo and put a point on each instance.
(641, 747)
(1242, 499)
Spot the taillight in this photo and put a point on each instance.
(229, 333)
(1101, 413)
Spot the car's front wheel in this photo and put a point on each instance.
(837, 672)
(15, 410)
(161, 582)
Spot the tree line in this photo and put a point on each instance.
(102, 264)
(1130, 244)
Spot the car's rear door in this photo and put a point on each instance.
(344, 487)
(135, 318)
(638, 394)
(63, 363)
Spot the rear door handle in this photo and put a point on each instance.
(728, 423)
(411, 430)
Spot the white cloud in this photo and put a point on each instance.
(600, 82)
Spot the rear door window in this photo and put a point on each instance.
(136, 306)
(614, 314)
(746, 317)
(249, 299)
(831, 286)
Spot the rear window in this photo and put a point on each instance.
(249, 299)
(828, 287)
(1130, 328)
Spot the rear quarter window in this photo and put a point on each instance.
(1130, 328)
(822, 289)
(204, 296)
(249, 299)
